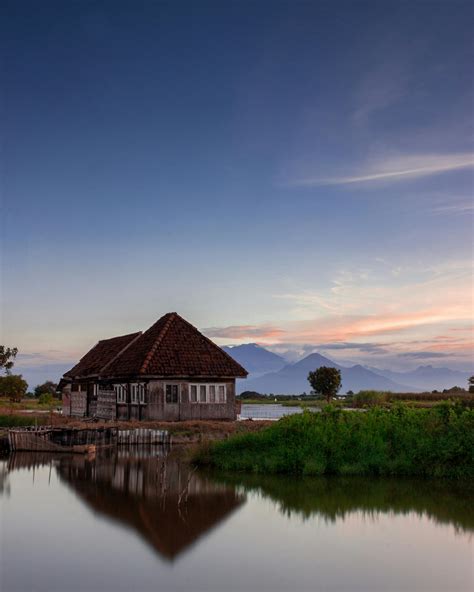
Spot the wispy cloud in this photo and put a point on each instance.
(423, 355)
(260, 332)
(395, 168)
(454, 208)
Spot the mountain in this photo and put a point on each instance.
(293, 378)
(427, 377)
(255, 359)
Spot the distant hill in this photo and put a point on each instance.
(255, 359)
(292, 378)
(427, 377)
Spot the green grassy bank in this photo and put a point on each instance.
(436, 442)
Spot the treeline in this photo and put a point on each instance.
(436, 442)
(254, 396)
(366, 398)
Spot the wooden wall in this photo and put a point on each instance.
(157, 408)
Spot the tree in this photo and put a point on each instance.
(7, 356)
(13, 386)
(47, 388)
(325, 381)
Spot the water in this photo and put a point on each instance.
(147, 523)
(268, 411)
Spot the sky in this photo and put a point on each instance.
(296, 174)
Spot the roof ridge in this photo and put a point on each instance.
(211, 342)
(137, 336)
(119, 336)
(158, 340)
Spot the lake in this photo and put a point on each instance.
(146, 521)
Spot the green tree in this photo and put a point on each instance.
(13, 386)
(471, 384)
(47, 388)
(7, 356)
(325, 381)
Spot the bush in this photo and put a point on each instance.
(45, 399)
(436, 442)
(369, 398)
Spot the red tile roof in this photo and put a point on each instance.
(102, 354)
(173, 347)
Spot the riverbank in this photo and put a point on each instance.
(436, 442)
(182, 432)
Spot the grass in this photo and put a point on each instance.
(20, 421)
(30, 404)
(436, 442)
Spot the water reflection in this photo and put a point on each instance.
(154, 492)
(335, 498)
(66, 515)
(171, 505)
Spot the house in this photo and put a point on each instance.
(169, 372)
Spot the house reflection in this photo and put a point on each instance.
(159, 496)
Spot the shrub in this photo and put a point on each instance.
(369, 398)
(45, 399)
(436, 442)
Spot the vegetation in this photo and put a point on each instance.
(254, 397)
(379, 398)
(471, 384)
(7, 357)
(13, 386)
(47, 388)
(45, 399)
(20, 421)
(436, 442)
(325, 381)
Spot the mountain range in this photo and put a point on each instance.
(270, 373)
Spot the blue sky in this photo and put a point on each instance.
(286, 173)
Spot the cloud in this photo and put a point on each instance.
(382, 87)
(371, 348)
(454, 208)
(423, 355)
(244, 332)
(395, 168)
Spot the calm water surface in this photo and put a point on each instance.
(148, 522)
(268, 411)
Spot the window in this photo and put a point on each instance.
(141, 393)
(212, 393)
(222, 397)
(121, 392)
(207, 393)
(171, 393)
(134, 393)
